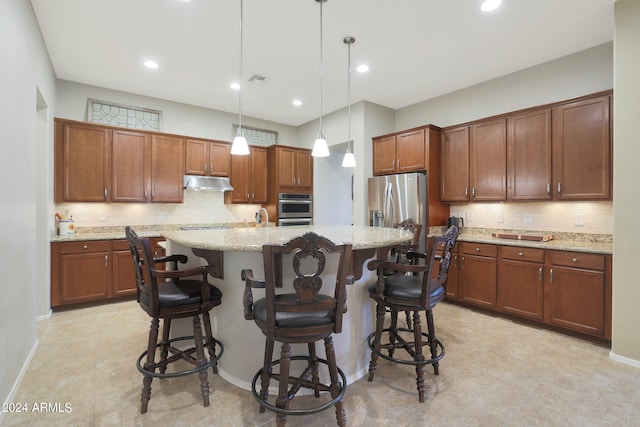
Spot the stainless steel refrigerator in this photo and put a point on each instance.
(394, 198)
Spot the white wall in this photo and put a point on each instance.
(25, 71)
(626, 146)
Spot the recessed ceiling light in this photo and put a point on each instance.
(297, 102)
(235, 86)
(151, 64)
(362, 68)
(489, 5)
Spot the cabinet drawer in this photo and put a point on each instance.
(577, 259)
(522, 254)
(85, 246)
(480, 249)
(120, 245)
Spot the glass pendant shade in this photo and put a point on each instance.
(349, 160)
(320, 147)
(240, 146)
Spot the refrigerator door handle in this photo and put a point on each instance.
(385, 205)
(392, 212)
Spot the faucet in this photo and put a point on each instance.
(259, 216)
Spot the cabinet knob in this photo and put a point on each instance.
(520, 254)
(574, 260)
(477, 249)
(85, 247)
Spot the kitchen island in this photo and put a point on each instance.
(235, 249)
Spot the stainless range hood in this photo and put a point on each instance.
(206, 183)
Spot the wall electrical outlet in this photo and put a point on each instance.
(579, 220)
(469, 217)
(102, 217)
(500, 218)
(528, 218)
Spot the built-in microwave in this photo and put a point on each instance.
(295, 206)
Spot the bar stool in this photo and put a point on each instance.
(418, 287)
(312, 312)
(171, 294)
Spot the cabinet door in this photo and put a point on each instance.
(384, 155)
(304, 170)
(240, 180)
(258, 176)
(478, 274)
(455, 164)
(410, 151)
(219, 159)
(196, 157)
(130, 166)
(453, 277)
(167, 169)
(577, 299)
(83, 163)
(85, 272)
(488, 160)
(520, 282)
(582, 150)
(529, 156)
(124, 276)
(287, 178)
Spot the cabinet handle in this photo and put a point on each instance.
(574, 260)
(205, 168)
(393, 164)
(559, 188)
(520, 254)
(105, 193)
(298, 180)
(210, 167)
(548, 188)
(145, 194)
(248, 198)
(462, 262)
(466, 191)
(551, 275)
(106, 260)
(398, 163)
(540, 274)
(473, 192)
(294, 180)
(253, 196)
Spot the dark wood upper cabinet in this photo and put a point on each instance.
(455, 164)
(131, 170)
(582, 150)
(529, 155)
(407, 151)
(167, 169)
(204, 157)
(488, 160)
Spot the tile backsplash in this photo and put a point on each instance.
(198, 207)
(577, 217)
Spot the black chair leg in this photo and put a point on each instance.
(211, 345)
(341, 417)
(201, 360)
(283, 385)
(313, 364)
(265, 377)
(164, 344)
(373, 364)
(433, 343)
(393, 331)
(150, 364)
(419, 355)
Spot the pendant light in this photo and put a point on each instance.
(240, 146)
(349, 160)
(320, 148)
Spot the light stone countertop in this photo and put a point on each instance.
(251, 239)
(579, 242)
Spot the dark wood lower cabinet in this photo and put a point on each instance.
(92, 270)
(569, 290)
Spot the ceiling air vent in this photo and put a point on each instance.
(257, 78)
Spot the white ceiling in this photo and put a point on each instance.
(416, 49)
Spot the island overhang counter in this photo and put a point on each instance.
(234, 249)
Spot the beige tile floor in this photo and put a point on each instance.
(495, 373)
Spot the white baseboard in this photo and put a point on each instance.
(16, 385)
(625, 360)
(45, 316)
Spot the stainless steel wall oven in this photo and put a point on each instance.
(295, 209)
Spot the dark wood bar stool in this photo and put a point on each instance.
(173, 294)
(312, 312)
(417, 287)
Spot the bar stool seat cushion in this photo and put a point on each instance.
(294, 319)
(408, 287)
(184, 292)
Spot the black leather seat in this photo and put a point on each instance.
(308, 312)
(416, 288)
(171, 294)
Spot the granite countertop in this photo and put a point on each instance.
(580, 242)
(251, 239)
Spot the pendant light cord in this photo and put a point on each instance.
(241, 70)
(349, 92)
(320, 135)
